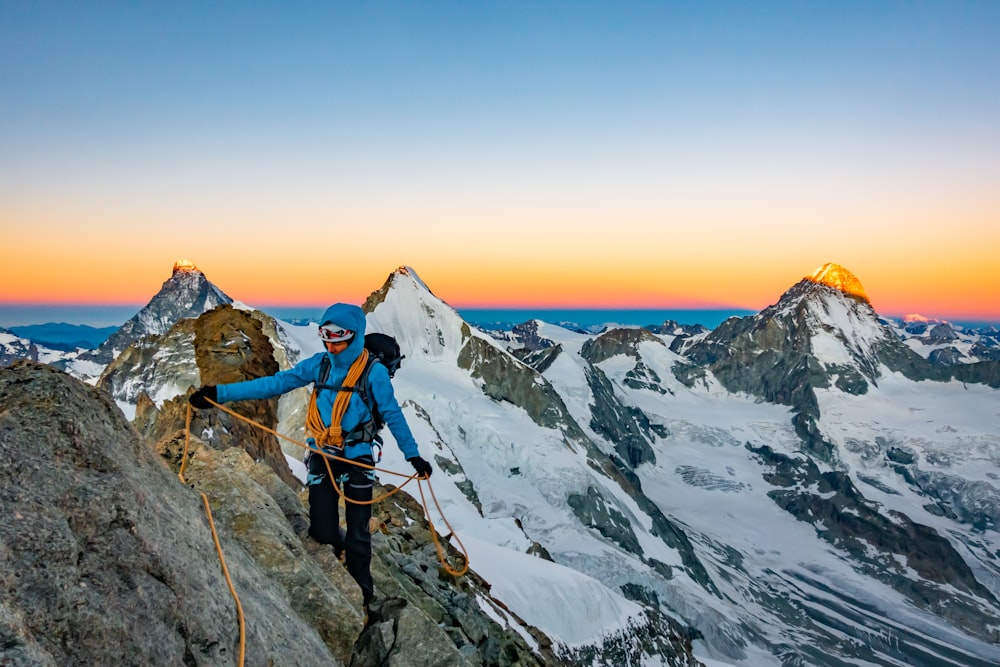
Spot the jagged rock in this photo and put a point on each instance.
(898, 455)
(410, 579)
(617, 341)
(976, 503)
(229, 346)
(144, 363)
(539, 360)
(657, 635)
(626, 427)
(106, 557)
(506, 379)
(673, 328)
(985, 352)
(594, 512)
(941, 332)
(325, 597)
(527, 334)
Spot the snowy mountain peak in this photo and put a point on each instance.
(837, 277)
(184, 266)
(187, 293)
(422, 323)
(408, 272)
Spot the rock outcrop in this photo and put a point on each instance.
(107, 558)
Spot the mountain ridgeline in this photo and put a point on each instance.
(810, 485)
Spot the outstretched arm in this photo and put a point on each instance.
(385, 398)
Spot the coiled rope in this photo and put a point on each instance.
(332, 434)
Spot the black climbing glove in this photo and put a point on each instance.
(200, 398)
(422, 467)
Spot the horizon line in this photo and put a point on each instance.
(968, 319)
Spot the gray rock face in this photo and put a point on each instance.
(506, 379)
(673, 328)
(142, 366)
(986, 352)
(626, 427)
(592, 511)
(774, 354)
(615, 342)
(529, 338)
(942, 332)
(626, 342)
(539, 360)
(976, 503)
(945, 356)
(106, 558)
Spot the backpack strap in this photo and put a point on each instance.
(369, 430)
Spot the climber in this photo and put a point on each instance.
(350, 436)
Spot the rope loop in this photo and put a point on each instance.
(327, 457)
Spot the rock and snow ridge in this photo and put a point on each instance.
(519, 472)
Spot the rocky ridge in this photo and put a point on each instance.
(108, 558)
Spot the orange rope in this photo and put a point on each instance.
(229, 581)
(326, 459)
(215, 538)
(434, 537)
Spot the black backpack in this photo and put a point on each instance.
(385, 348)
(382, 348)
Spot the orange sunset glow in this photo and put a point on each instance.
(548, 286)
(632, 167)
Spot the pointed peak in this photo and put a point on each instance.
(408, 272)
(837, 277)
(184, 266)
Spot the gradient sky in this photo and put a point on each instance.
(606, 154)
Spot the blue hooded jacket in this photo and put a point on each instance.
(305, 372)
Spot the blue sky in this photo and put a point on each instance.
(719, 149)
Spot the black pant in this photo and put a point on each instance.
(324, 514)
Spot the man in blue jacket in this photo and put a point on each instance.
(342, 330)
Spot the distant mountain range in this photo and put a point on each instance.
(64, 336)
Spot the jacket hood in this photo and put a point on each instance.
(347, 316)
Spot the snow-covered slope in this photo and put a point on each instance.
(521, 474)
(779, 586)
